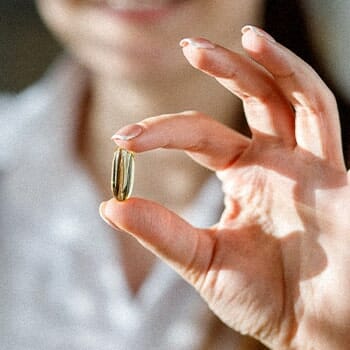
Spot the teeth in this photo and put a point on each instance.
(137, 5)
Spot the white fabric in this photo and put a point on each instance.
(61, 284)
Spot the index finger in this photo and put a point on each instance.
(207, 141)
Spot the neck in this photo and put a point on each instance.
(121, 102)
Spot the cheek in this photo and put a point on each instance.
(111, 48)
(59, 16)
(117, 62)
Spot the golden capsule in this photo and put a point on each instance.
(122, 180)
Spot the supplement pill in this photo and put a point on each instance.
(122, 180)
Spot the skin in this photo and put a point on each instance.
(276, 265)
(128, 82)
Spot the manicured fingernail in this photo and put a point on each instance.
(101, 210)
(258, 31)
(128, 132)
(198, 43)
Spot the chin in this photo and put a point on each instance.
(138, 67)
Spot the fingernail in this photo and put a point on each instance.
(259, 32)
(128, 132)
(104, 218)
(198, 43)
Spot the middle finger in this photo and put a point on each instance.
(268, 112)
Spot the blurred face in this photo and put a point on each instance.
(137, 39)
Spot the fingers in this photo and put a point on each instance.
(209, 142)
(282, 95)
(269, 86)
(185, 248)
(267, 110)
(316, 119)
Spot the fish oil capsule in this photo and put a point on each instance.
(122, 180)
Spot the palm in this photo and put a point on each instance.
(274, 263)
(266, 263)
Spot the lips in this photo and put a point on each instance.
(133, 5)
(140, 11)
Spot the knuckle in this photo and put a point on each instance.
(265, 96)
(323, 103)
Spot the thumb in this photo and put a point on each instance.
(186, 248)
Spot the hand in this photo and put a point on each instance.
(277, 264)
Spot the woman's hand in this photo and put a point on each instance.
(277, 264)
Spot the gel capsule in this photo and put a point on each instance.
(122, 174)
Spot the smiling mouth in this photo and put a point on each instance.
(134, 5)
(138, 10)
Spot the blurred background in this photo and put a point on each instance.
(26, 48)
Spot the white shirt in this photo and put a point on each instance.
(61, 283)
